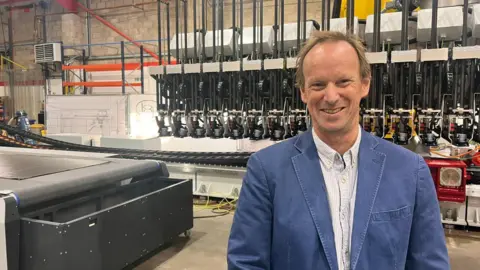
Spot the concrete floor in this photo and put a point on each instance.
(206, 248)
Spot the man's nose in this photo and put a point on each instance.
(331, 94)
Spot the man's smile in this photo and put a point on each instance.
(332, 111)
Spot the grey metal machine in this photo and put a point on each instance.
(67, 212)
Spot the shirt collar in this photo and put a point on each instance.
(328, 156)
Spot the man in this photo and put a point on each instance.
(336, 197)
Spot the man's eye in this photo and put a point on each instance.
(318, 85)
(343, 83)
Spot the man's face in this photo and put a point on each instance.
(333, 87)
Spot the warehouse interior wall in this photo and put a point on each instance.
(136, 18)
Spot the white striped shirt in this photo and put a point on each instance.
(340, 175)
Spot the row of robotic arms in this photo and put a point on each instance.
(239, 82)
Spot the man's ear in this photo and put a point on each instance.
(366, 86)
(304, 95)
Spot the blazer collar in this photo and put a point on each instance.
(310, 178)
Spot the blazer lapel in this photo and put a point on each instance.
(370, 170)
(309, 175)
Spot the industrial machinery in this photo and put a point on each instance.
(423, 95)
(82, 211)
(235, 79)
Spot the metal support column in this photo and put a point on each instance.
(350, 16)
(157, 78)
(122, 52)
(63, 71)
(168, 34)
(89, 28)
(141, 71)
(46, 71)
(84, 62)
(11, 74)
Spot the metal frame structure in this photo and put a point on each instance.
(123, 67)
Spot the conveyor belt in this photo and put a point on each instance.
(35, 178)
(208, 158)
(20, 167)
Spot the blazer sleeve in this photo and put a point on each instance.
(427, 248)
(250, 236)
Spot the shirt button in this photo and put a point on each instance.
(344, 179)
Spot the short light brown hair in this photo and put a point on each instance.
(319, 37)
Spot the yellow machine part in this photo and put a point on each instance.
(411, 124)
(38, 129)
(363, 8)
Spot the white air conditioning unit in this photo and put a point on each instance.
(48, 53)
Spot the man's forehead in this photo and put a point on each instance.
(332, 48)
(332, 53)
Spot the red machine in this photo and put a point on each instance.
(450, 177)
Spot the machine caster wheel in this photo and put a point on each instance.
(187, 233)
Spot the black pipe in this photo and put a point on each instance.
(327, 19)
(241, 60)
(261, 31)
(405, 15)
(275, 30)
(404, 75)
(440, 75)
(336, 8)
(185, 30)
(159, 97)
(168, 33)
(282, 32)
(472, 85)
(84, 62)
(376, 25)
(399, 101)
(425, 87)
(463, 90)
(465, 22)
(46, 71)
(433, 37)
(62, 57)
(431, 89)
(324, 11)
(122, 52)
(254, 24)
(142, 79)
(204, 30)
(177, 23)
(234, 27)
(214, 28)
(221, 33)
(380, 87)
(350, 15)
(453, 83)
(159, 23)
(221, 95)
(241, 35)
(299, 14)
(195, 54)
(376, 80)
(433, 86)
(11, 77)
(304, 20)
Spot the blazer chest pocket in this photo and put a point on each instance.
(392, 215)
